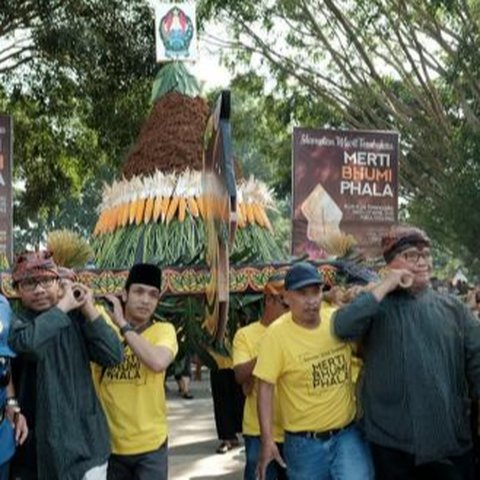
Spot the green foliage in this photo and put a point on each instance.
(174, 77)
(381, 65)
(186, 314)
(262, 125)
(179, 244)
(79, 95)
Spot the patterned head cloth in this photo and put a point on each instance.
(34, 264)
(400, 238)
(67, 273)
(275, 283)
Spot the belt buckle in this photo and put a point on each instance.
(319, 435)
(326, 435)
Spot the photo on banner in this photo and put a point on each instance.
(344, 182)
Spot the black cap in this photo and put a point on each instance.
(146, 274)
(302, 274)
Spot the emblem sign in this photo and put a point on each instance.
(175, 32)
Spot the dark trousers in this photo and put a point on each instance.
(4, 471)
(391, 464)
(142, 466)
(228, 400)
(475, 417)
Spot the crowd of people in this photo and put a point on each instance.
(382, 387)
(407, 416)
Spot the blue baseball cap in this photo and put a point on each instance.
(302, 274)
(5, 315)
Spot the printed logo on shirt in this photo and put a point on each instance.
(331, 369)
(129, 371)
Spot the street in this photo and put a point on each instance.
(193, 439)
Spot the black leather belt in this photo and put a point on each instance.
(325, 435)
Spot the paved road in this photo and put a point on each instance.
(193, 439)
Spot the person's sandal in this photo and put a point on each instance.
(224, 447)
(187, 395)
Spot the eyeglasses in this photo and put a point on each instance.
(30, 284)
(414, 256)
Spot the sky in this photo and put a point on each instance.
(208, 69)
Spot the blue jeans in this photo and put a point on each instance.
(253, 446)
(343, 456)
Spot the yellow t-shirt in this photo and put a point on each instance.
(133, 397)
(312, 372)
(357, 363)
(245, 348)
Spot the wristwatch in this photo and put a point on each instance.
(126, 328)
(12, 402)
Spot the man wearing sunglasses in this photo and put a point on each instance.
(245, 351)
(421, 353)
(56, 335)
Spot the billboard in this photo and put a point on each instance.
(6, 224)
(343, 182)
(175, 32)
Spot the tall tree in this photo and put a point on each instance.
(411, 66)
(77, 77)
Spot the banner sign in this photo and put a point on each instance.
(6, 157)
(343, 182)
(175, 32)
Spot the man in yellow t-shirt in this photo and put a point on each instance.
(245, 351)
(311, 372)
(132, 393)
